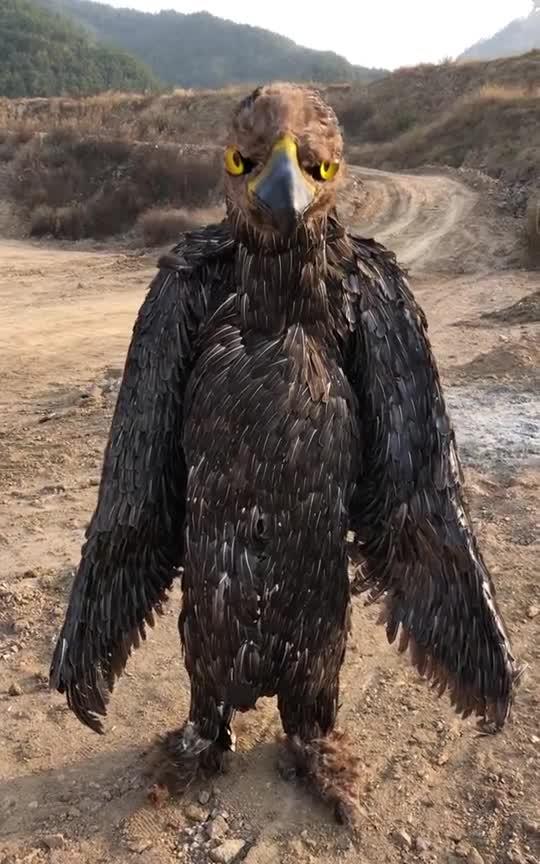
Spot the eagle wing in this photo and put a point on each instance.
(408, 514)
(135, 539)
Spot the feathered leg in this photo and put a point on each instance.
(317, 752)
(198, 747)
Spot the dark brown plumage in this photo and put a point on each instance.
(279, 391)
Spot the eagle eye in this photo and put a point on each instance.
(235, 163)
(324, 170)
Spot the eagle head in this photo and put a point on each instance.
(283, 160)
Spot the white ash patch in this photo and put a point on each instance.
(495, 424)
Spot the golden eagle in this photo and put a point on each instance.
(280, 395)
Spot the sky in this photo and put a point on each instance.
(384, 33)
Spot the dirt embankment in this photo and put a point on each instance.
(433, 789)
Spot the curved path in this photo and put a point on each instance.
(416, 215)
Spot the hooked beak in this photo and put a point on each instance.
(281, 189)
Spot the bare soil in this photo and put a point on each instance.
(433, 788)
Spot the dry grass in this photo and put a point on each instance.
(495, 129)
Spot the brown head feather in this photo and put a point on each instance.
(266, 115)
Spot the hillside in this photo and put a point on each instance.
(200, 50)
(483, 115)
(518, 37)
(44, 54)
(476, 115)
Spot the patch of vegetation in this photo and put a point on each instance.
(73, 187)
(44, 54)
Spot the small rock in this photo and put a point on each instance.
(217, 828)
(139, 846)
(514, 856)
(420, 844)
(297, 849)
(474, 857)
(266, 852)
(54, 841)
(531, 827)
(195, 813)
(204, 796)
(402, 838)
(228, 851)
(33, 805)
(533, 611)
(308, 839)
(15, 689)
(535, 739)
(73, 812)
(462, 850)
(93, 393)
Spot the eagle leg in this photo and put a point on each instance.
(320, 755)
(196, 749)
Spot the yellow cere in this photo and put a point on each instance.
(234, 162)
(328, 170)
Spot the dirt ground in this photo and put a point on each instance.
(433, 788)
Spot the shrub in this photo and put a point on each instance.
(43, 221)
(533, 227)
(77, 186)
(163, 225)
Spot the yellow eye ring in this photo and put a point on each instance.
(234, 162)
(328, 170)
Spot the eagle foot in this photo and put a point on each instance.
(329, 767)
(182, 757)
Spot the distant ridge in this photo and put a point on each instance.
(200, 50)
(519, 37)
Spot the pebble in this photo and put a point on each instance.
(195, 813)
(228, 851)
(265, 852)
(15, 689)
(531, 827)
(474, 857)
(54, 841)
(420, 844)
(139, 846)
(217, 828)
(402, 838)
(204, 796)
(308, 839)
(297, 848)
(514, 856)
(533, 611)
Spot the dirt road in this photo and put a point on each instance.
(433, 789)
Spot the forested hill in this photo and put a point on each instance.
(45, 54)
(200, 50)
